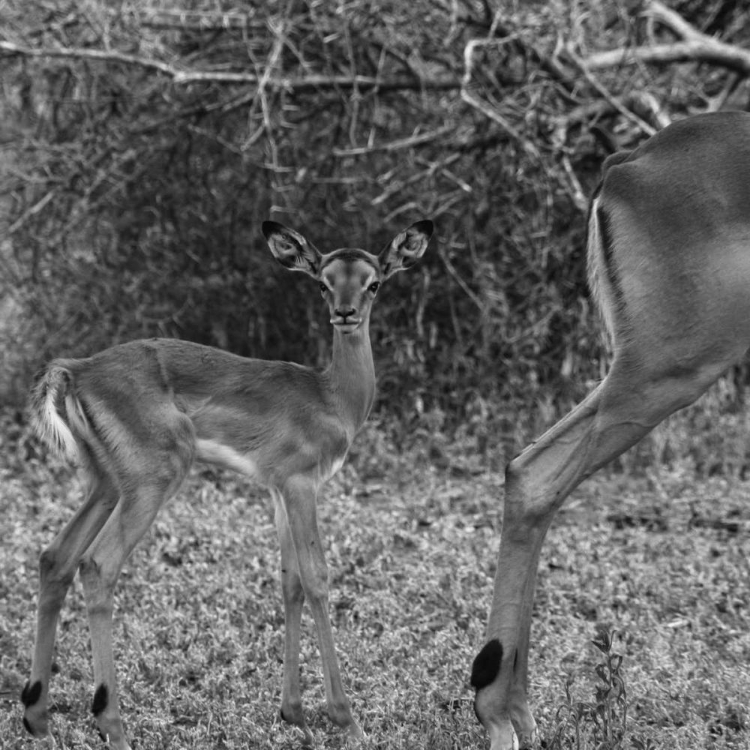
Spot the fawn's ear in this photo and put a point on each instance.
(291, 249)
(406, 248)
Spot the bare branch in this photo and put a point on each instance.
(182, 77)
(672, 20)
(474, 101)
(612, 100)
(31, 211)
(197, 20)
(693, 47)
(411, 141)
(715, 52)
(89, 54)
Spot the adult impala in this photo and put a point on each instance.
(137, 415)
(669, 264)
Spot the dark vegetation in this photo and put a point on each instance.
(143, 144)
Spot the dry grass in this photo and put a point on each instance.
(663, 559)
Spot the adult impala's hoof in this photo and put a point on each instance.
(527, 740)
(35, 717)
(503, 737)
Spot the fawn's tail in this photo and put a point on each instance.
(56, 413)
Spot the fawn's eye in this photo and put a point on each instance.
(323, 287)
(374, 287)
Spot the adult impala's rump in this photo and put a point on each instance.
(669, 264)
(136, 417)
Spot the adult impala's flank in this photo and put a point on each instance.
(669, 264)
(137, 415)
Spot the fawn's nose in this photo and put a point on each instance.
(345, 312)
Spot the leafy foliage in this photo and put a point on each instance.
(601, 723)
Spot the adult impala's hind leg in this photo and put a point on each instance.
(625, 407)
(294, 599)
(57, 568)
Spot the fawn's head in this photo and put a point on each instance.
(349, 278)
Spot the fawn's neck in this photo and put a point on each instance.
(351, 375)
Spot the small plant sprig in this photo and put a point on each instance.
(600, 724)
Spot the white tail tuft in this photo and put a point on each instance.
(47, 398)
(599, 285)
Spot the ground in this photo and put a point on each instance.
(660, 557)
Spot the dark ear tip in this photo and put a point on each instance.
(426, 226)
(270, 227)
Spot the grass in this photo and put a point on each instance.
(662, 558)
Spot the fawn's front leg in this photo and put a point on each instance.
(294, 599)
(300, 495)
